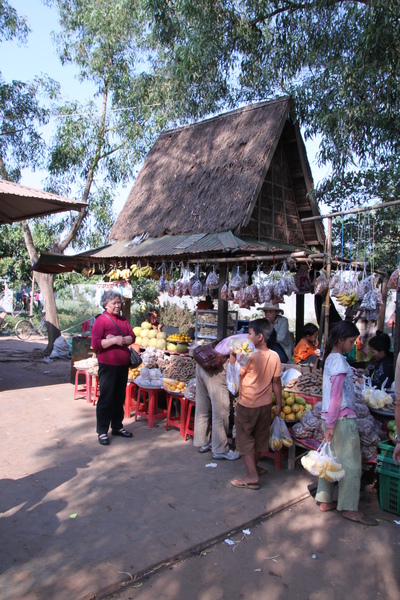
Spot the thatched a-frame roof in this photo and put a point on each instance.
(245, 171)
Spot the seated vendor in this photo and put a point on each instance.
(153, 317)
(284, 343)
(379, 346)
(306, 351)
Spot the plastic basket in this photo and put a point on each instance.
(386, 448)
(389, 480)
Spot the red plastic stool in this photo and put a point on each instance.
(178, 421)
(277, 456)
(87, 390)
(130, 398)
(189, 426)
(147, 405)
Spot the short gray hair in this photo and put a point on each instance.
(110, 295)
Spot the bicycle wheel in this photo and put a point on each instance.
(42, 328)
(24, 329)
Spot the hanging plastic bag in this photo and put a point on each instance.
(237, 282)
(323, 464)
(302, 280)
(163, 281)
(212, 281)
(233, 378)
(394, 280)
(279, 434)
(321, 285)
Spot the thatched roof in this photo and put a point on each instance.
(209, 177)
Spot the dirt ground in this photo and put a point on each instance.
(146, 518)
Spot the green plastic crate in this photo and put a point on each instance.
(389, 480)
(386, 448)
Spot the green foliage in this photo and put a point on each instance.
(11, 25)
(339, 60)
(144, 297)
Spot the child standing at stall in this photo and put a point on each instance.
(258, 378)
(338, 413)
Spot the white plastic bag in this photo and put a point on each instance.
(60, 348)
(233, 378)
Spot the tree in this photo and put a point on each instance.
(339, 59)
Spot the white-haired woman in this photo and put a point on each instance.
(111, 336)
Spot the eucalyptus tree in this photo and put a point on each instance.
(339, 59)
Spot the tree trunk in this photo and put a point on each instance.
(45, 283)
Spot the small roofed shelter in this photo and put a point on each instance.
(245, 171)
(19, 202)
(233, 187)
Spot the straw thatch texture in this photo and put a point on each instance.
(204, 177)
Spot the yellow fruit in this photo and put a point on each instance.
(290, 417)
(295, 408)
(283, 416)
(286, 410)
(290, 401)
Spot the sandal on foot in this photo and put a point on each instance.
(358, 517)
(242, 484)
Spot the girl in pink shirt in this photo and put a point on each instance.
(338, 412)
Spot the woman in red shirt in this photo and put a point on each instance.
(111, 336)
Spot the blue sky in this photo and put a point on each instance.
(39, 55)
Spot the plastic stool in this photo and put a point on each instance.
(189, 426)
(148, 398)
(130, 398)
(277, 456)
(179, 421)
(87, 390)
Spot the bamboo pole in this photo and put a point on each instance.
(328, 275)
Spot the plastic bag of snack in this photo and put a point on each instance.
(237, 282)
(301, 432)
(171, 289)
(302, 280)
(321, 285)
(394, 279)
(212, 281)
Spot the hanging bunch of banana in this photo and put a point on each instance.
(88, 272)
(117, 274)
(138, 271)
(347, 299)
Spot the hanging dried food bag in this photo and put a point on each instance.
(196, 287)
(163, 281)
(237, 282)
(394, 279)
(252, 291)
(321, 285)
(212, 281)
(224, 292)
(302, 280)
(171, 289)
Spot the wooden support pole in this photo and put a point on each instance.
(299, 317)
(328, 275)
(222, 322)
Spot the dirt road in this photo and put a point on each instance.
(79, 520)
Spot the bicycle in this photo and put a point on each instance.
(26, 327)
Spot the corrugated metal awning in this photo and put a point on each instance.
(19, 202)
(168, 247)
